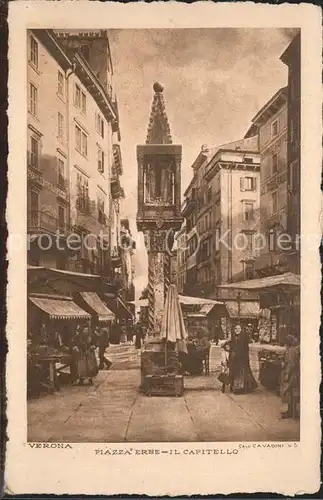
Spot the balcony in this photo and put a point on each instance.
(117, 191)
(189, 205)
(35, 176)
(43, 222)
(115, 257)
(117, 159)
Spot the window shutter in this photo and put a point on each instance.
(241, 183)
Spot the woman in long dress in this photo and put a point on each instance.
(290, 386)
(87, 366)
(241, 377)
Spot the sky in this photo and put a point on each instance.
(215, 80)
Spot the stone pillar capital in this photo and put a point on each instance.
(156, 240)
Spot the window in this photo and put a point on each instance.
(248, 183)
(274, 163)
(61, 218)
(81, 140)
(100, 160)
(209, 194)
(274, 202)
(33, 99)
(60, 126)
(61, 173)
(248, 212)
(100, 125)
(60, 83)
(248, 160)
(274, 128)
(82, 193)
(101, 203)
(34, 153)
(83, 103)
(34, 202)
(77, 96)
(80, 99)
(33, 52)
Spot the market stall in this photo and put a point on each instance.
(278, 317)
(270, 360)
(52, 321)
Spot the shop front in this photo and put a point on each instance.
(279, 316)
(52, 322)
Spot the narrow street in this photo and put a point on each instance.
(113, 410)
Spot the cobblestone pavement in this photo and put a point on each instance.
(113, 410)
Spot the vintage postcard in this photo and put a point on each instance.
(164, 225)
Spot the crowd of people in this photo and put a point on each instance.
(88, 353)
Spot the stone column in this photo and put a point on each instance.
(158, 277)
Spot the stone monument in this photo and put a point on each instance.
(159, 204)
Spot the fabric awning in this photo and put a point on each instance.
(118, 306)
(95, 303)
(184, 300)
(59, 308)
(191, 301)
(280, 280)
(248, 309)
(126, 309)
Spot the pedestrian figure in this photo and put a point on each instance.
(224, 376)
(102, 341)
(87, 367)
(139, 334)
(216, 334)
(241, 377)
(290, 385)
(74, 350)
(130, 332)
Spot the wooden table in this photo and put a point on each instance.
(48, 362)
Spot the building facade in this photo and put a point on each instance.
(271, 125)
(181, 250)
(222, 215)
(74, 156)
(292, 58)
(192, 207)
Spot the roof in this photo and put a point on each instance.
(59, 308)
(207, 308)
(95, 303)
(283, 280)
(271, 107)
(248, 309)
(158, 127)
(293, 46)
(249, 145)
(187, 300)
(72, 273)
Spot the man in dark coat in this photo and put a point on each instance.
(102, 340)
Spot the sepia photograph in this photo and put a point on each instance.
(163, 298)
(163, 231)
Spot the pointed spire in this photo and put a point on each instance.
(158, 127)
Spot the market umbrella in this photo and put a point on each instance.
(173, 328)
